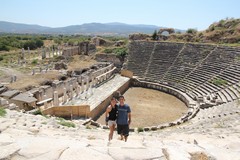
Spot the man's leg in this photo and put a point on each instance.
(125, 138)
(126, 132)
(121, 138)
(120, 131)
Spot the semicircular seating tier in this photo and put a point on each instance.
(203, 71)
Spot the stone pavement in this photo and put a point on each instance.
(24, 136)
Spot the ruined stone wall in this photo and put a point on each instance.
(109, 58)
(68, 111)
(46, 90)
(83, 48)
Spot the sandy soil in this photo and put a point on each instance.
(150, 107)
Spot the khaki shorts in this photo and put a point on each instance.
(111, 123)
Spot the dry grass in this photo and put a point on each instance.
(199, 156)
(80, 62)
(150, 107)
(48, 43)
(33, 80)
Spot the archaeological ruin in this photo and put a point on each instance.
(190, 72)
(204, 77)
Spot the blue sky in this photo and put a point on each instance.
(181, 14)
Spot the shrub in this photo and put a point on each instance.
(63, 122)
(35, 61)
(219, 82)
(1, 58)
(67, 124)
(122, 52)
(108, 50)
(140, 129)
(2, 112)
(191, 31)
(37, 112)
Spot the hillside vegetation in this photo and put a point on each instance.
(224, 31)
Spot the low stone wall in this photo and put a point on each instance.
(68, 111)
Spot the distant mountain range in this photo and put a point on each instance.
(116, 28)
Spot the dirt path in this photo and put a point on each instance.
(10, 71)
(150, 107)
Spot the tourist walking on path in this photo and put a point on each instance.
(123, 119)
(111, 116)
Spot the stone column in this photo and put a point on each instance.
(71, 91)
(64, 95)
(55, 99)
(93, 82)
(11, 80)
(87, 84)
(53, 51)
(45, 103)
(29, 54)
(14, 78)
(33, 71)
(86, 49)
(78, 90)
(46, 68)
(23, 54)
(91, 88)
(43, 53)
(49, 53)
(40, 95)
(19, 60)
(59, 51)
(82, 84)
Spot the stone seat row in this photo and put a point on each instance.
(222, 110)
(193, 83)
(174, 68)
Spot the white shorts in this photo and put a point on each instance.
(111, 123)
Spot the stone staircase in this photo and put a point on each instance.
(25, 136)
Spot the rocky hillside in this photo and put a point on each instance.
(224, 31)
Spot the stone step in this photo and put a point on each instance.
(236, 90)
(227, 95)
(222, 97)
(231, 92)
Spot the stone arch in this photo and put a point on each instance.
(169, 30)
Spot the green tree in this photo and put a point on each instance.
(121, 53)
(39, 43)
(3, 47)
(154, 35)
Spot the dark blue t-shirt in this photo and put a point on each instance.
(122, 117)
